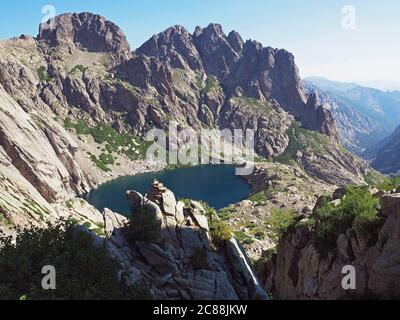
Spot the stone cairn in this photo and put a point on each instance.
(156, 192)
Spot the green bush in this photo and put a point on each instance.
(259, 199)
(83, 270)
(389, 184)
(143, 227)
(358, 208)
(280, 222)
(220, 231)
(243, 238)
(43, 74)
(260, 235)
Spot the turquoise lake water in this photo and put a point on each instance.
(218, 185)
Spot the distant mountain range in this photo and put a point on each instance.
(364, 116)
(388, 154)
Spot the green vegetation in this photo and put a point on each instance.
(143, 227)
(4, 221)
(301, 139)
(77, 68)
(359, 209)
(260, 235)
(126, 85)
(84, 270)
(69, 204)
(219, 230)
(199, 81)
(114, 141)
(371, 177)
(212, 84)
(280, 222)
(243, 238)
(253, 103)
(103, 161)
(225, 213)
(43, 74)
(259, 199)
(389, 184)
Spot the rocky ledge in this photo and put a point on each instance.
(299, 271)
(187, 264)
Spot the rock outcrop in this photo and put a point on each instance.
(300, 272)
(86, 31)
(188, 265)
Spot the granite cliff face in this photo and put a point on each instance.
(243, 69)
(300, 271)
(87, 31)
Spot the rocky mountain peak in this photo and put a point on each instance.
(211, 29)
(175, 46)
(86, 31)
(259, 72)
(235, 40)
(215, 49)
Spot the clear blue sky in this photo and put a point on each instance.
(311, 29)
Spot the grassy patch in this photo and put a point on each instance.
(115, 142)
(260, 198)
(43, 74)
(78, 68)
(243, 237)
(225, 213)
(372, 177)
(303, 140)
(253, 103)
(280, 222)
(212, 84)
(389, 184)
(358, 209)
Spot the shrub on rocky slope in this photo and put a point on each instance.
(84, 270)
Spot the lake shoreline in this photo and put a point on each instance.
(217, 185)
